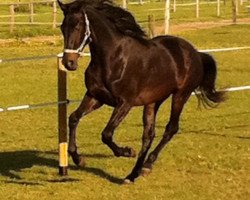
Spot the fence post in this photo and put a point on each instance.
(218, 8)
(12, 18)
(237, 7)
(234, 11)
(124, 4)
(174, 6)
(62, 117)
(197, 9)
(54, 14)
(151, 26)
(167, 16)
(31, 13)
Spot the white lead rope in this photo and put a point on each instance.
(86, 37)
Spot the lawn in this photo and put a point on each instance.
(208, 160)
(43, 13)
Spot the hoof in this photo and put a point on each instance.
(81, 162)
(133, 153)
(125, 152)
(129, 152)
(77, 159)
(145, 171)
(127, 182)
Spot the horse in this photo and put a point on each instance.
(128, 69)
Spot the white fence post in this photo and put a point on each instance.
(218, 8)
(54, 14)
(167, 16)
(174, 6)
(12, 18)
(124, 4)
(31, 13)
(197, 8)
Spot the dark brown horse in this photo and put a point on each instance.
(127, 69)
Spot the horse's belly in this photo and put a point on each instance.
(151, 95)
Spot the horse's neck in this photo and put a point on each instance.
(102, 36)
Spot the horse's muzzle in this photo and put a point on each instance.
(70, 61)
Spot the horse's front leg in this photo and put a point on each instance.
(87, 105)
(119, 113)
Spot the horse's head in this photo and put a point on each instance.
(76, 33)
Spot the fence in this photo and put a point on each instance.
(63, 101)
(169, 5)
(31, 15)
(172, 5)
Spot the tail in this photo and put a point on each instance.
(206, 92)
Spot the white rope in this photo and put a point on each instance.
(25, 107)
(60, 55)
(233, 89)
(22, 107)
(237, 88)
(224, 49)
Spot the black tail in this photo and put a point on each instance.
(207, 93)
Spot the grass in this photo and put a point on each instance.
(208, 160)
(208, 12)
(43, 13)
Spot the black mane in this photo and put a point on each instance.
(122, 19)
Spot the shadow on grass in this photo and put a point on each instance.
(12, 163)
(205, 132)
(100, 173)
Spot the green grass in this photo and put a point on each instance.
(43, 13)
(226, 36)
(208, 12)
(208, 160)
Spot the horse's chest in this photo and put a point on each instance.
(97, 88)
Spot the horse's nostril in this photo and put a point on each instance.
(70, 63)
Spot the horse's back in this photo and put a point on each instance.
(187, 60)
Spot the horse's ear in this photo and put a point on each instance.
(64, 7)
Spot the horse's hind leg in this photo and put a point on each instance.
(119, 113)
(149, 115)
(87, 105)
(178, 101)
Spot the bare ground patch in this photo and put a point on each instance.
(158, 30)
(200, 25)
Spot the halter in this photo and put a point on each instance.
(84, 42)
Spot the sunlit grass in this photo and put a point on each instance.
(44, 13)
(209, 159)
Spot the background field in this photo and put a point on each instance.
(210, 159)
(43, 13)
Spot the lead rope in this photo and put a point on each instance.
(86, 37)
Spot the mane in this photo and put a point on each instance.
(123, 20)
